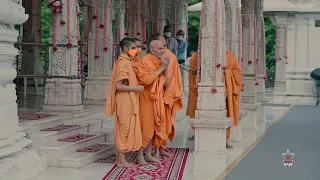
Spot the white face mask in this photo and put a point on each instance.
(167, 34)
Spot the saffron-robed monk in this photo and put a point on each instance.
(173, 99)
(151, 74)
(233, 86)
(123, 102)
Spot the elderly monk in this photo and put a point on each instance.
(123, 102)
(173, 95)
(152, 75)
(233, 85)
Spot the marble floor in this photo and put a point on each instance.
(198, 167)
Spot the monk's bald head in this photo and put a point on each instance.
(156, 48)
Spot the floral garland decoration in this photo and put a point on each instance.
(56, 7)
(239, 37)
(106, 20)
(132, 19)
(216, 49)
(114, 54)
(286, 45)
(89, 25)
(97, 39)
(79, 42)
(242, 39)
(69, 44)
(256, 60)
(263, 51)
(143, 28)
(200, 43)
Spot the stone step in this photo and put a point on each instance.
(93, 125)
(81, 159)
(109, 133)
(54, 150)
(43, 136)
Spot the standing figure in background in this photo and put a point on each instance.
(172, 43)
(182, 47)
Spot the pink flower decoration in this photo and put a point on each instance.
(218, 65)
(62, 22)
(214, 91)
(101, 26)
(250, 62)
(105, 48)
(69, 45)
(96, 57)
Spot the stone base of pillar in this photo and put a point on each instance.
(279, 97)
(279, 86)
(250, 120)
(213, 131)
(63, 95)
(17, 161)
(96, 89)
(236, 132)
(261, 92)
(284, 98)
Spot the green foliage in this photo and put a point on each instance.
(270, 32)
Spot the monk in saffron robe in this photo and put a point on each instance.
(173, 99)
(233, 87)
(123, 102)
(151, 74)
(193, 89)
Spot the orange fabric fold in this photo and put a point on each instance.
(233, 86)
(193, 93)
(173, 100)
(127, 129)
(152, 111)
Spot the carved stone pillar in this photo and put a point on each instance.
(30, 64)
(99, 59)
(261, 56)
(162, 13)
(249, 95)
(18, 160)
(211, 121)
(64, 94)
(279, 93)
(119, 6)
(153, 10)
(233, 20)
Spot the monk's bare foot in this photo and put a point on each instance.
(150, 158)
(191, 138)
(141, 160)
(229, 146)
(157, 155)
(164, 153)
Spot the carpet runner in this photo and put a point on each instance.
(168, 168)
(35, 116)
(76, 138)
(96, 148)
(60, 128)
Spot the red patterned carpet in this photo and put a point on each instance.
(60, 128)
(170, 168)
(35, 116)
(95, 148)
(76, 138)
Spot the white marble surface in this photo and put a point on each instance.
(208, 167)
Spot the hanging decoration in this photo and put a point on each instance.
(56, 7)
(263, 51)
(286, 45)
(200, 43)
(114, 54)
(256, 60)
(69, 43)
(242, 39)
(97, 39)
(216, 48)
(79, 42)
(143, 24)
(106, 30)
(89, 25)
(239, 37)
(132, 19)
(126, 18)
